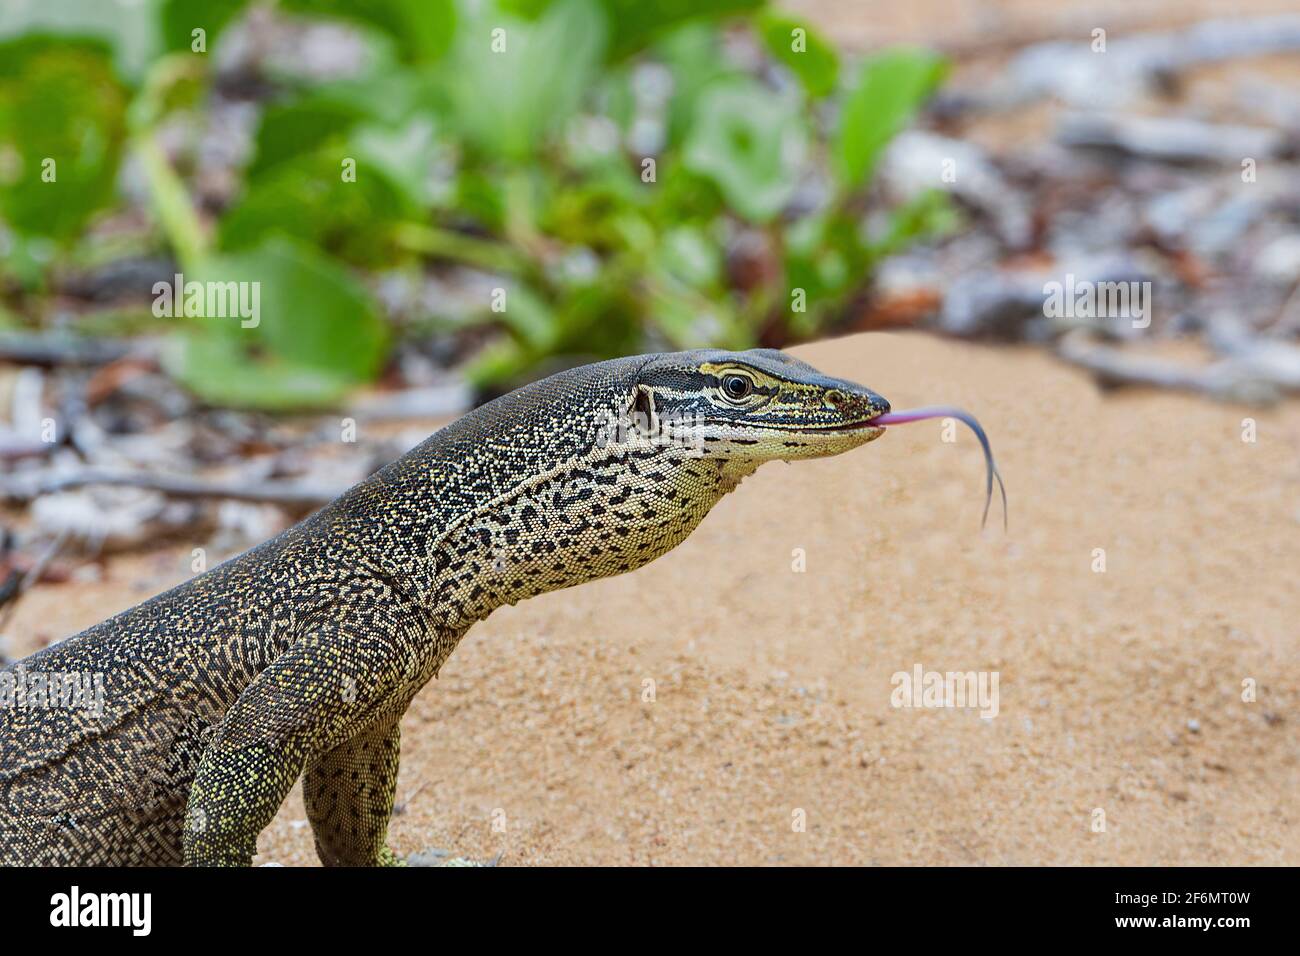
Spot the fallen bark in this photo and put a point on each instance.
(293, 495)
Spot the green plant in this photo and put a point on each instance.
(600, 158)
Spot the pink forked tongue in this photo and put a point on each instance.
(948, 411)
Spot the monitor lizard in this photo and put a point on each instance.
(299, 657)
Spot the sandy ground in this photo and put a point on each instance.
(1119, 691)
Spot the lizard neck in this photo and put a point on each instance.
(600, 514)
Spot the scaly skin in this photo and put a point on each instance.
(299, 657)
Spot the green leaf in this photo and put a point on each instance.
(128, 27)
(293, 130)
(310, 200)
(636, 23)
(423, 29)
(482, 198)
(803, 50)
(689, 321)
(690, 256)
(592, 211)
(927, 215)
(686, 197)
(826, 257)
(62, 126)
(312, 313)
(601, 318)
(221, 371)
(512, 82)
(500, 361)
(530, 318)
(297, 127)
(401, 154)
(693, 54)
(890, 90)
(25, 260)
(180, 18)
(751, 143)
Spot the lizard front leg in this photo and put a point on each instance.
(349, 795)
(330, 685)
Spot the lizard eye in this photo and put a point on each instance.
(736, 387)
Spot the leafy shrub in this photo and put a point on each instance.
(629, 182)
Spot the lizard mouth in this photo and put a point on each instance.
(864, 424)
(861, 425)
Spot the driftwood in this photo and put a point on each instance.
(25, 582)
(292, 495)
(51, 350)
(1259, 374)
(1171, 139)
(14, 446)
(1076, 72)
(432, 401)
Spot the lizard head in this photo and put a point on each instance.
(753, 406)
(600, 469)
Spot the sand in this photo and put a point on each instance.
(1121, 692)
